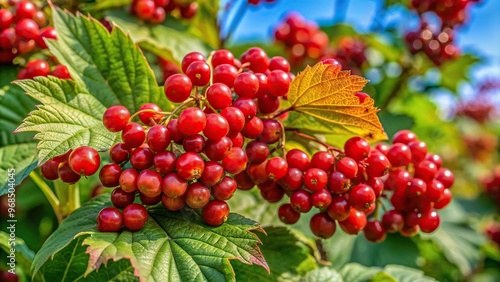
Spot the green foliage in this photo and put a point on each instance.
(20, 157)
(24, 256)
(176, 245)
(455, 71)
(68, 118)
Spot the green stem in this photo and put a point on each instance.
(51, 197)
(73, 198)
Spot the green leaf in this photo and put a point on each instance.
(108, 66)
(395, 122)
(455, 71)
(17, 160)
(204, 23)
(323, 274)
(279, 240)
(14, 107)
(171, 42)
(401, 274)
(67, 119)
(24, 256)
(171, 246)
(355, 272)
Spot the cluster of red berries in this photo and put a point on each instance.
(350, 52)
(70, 166)
(437, 45)
(257, 2)
(451, 12)
(39, 67)
(155, 11)
(491, 184)
(347, 186)
(20, 31)
(302, 38)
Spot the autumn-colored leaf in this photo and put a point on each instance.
(327, 94)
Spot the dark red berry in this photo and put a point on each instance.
(197, 195)
(178, 88)
(133, 135)
(49, 169)
(142, 158)
(374, 231)
(322, 225)
(121, 199)
(190, 166)
(215, 212)
(110, 175)
(287, 214)
(84, 160)
(164, 162)
(109, 219)
(134, 217)
(173, 185)
(128, 180)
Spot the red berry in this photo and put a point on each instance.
(121, 199)
(235, 161)
(276, 168)
(355, 222)
(197, 195)
(393, 221)
(378, 164)
(293, 179)
(134, 217)
(142, 158)
(212, 174)
(173, 185)
(188, 11)
(116, 118)
(109, 219)
(323, 160)
(49, 169)
(145, 9)
(272, 131)
(225, 74)
(222, 56)
(128, 180)
(225, 189)
(321, 199)
(149, 183)
(190, 58)
(404, 136)
(150, 118)
(175, 134)
(178, 88)
(279, 63)
(418, 150)
(118, 153)
(399, 155)
(27, 29)
(149, 201)
(216, 127)
(37, 68)
(253, 128)
(234, 117)
(199, 72)
(339, 208)
(357, 148)
(301, 201)
(268, 104)
(446, 177)
(374, 231)
(426, 170)
(215, 212)
(287, 214)
(322, 225)
(246, 85)
(133, 135)
(315, 179)
(347, 166)
(216, 150)
(219, 96)
(61, 71)
(84, 160)
(444, 200)
(429, 222)
(257, 59)
(193, 143)
(190, 166)
(67, 174)
(164, 162)
(25, 10)
(257, 152)
(158, 138)
(6, 19)
(278, 83)
(416, 188)
(398, 179)
(191, 121)
(338, 183)
(298, 159)
(244, 181)
(173, 204)
(110, 175)
(362, 197)
(47, 32)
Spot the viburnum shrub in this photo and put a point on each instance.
(221, 132)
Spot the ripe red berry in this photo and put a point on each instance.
(193, 143)
(190, 166)
(244, 181)
(47, 32)
(276, 168)
(301, 201)
(199, 73)
(118, 153)
(298, 159)
(164, 162)
(429, 222)
(225, 189)
(109, 219)
(347, 166)
(173, 204)
(393, 221)
(216, 127)
(399, 155)
(215, 212)
(37, 68)
(444, 200)
(426, 170)
(175, 134)
(446, 177)
(357, 148)
(374, 231)
(279, 63)
(191, 121)
(84, 160)
(25, 10)
(145, 9)
(418, 150)
(178, 88)
(110, 175)
(247, 106)
(128, 180)
(246, 85)
(222, 56)
(189, 58)
(315, 179)
(61, 71)
(234, 117)
(253, 128)
(142, 158)
(398, 179)
(268, 104)
(189, 10)
(49, 169)
(149, 201)
(378, 164)
(216, 150)
(27, 28)
(257, 152)
(321, 199)
(149, 183)
(134, 217)
(225, 74)
(212, 174)
(404, 136)
(235, 161)
(121, 199)
(219, 96)
(278, 83)
(133, 135)
(338, 183)
(148, 117)
(339, 208)
(67, 174)
(287, 214)
(197, 195)
(362, 197)
(6, 19)
(322, 225)
(158, 138)
(293, 179)
(354, 223)
(323, 160)
(272, 131)
(173, 185)
(257, 59)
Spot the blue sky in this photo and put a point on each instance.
(481, 36)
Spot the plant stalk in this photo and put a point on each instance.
(49, 194)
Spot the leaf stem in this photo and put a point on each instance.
(73, 198)
(49, 194)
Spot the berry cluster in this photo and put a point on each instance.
(437, 45)
(155, 11)
(350, 52)
(493, 232)
(70, 166)
(491, 184)
(451, 12)
(20, 31)
(347, 186)
(302, 38)
(39, 67)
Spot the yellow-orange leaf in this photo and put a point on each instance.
(327, 94)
